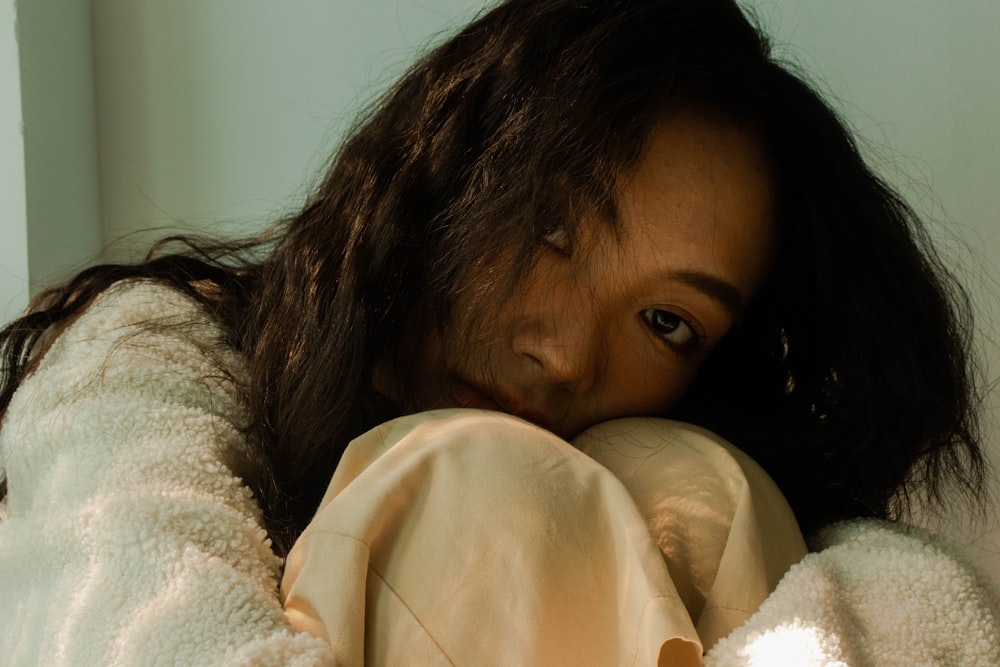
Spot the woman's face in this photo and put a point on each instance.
(619, 324)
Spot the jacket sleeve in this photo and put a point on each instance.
(874, 593)
(127, 540)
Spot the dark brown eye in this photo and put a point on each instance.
(675, 331)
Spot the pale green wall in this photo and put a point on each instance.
(224, 110)
(60, 140)
(13, 217)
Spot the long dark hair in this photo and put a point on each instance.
(848, 378)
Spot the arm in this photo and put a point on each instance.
(876, 593)
(127, 539)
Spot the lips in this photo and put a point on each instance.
(472, 395)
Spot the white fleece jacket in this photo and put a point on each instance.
(127, 541)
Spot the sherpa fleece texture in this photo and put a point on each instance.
(127, 541)
(876, 594)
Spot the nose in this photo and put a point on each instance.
(564, 351)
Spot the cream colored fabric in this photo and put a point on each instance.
(464, 537)
(724, 528)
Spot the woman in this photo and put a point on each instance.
(559, 214)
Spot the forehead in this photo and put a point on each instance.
(700, 201)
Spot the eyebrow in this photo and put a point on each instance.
(716, 289)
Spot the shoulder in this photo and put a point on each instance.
(133, 304)
(145, 317)
(139, 339)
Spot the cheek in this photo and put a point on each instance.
(644, 382)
